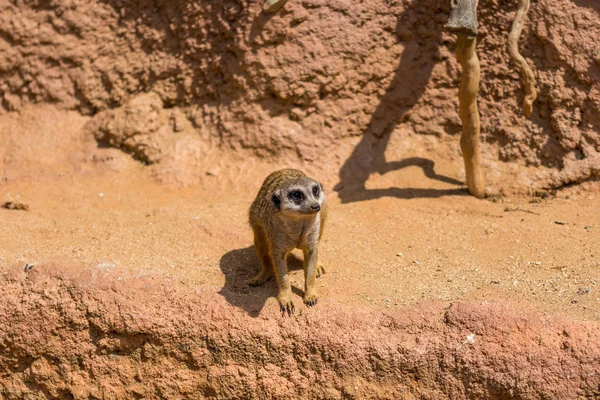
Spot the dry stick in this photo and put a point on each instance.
(513, 47)
(463, 22)
(469, 113)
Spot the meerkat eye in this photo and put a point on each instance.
(296, 195)
(316, 190)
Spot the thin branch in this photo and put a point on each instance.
(513, 47)
(463, 23)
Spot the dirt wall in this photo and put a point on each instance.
(94, 333)
(297, 83)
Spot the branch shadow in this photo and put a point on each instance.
(353, 194)
(238, 266)
(421, 38)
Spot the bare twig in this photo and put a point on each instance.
(15, 205)
(469, 113)
(517, 208)
(513, 47)
(463, 22)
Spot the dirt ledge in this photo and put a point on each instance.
(71, 333)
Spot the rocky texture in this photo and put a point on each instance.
(142, 127)
(133, 128)
(69, 333)
(297, 82)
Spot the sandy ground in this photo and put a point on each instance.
(381, 253)
(138, 285)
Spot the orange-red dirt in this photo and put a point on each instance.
(138, 286)
(135, 134)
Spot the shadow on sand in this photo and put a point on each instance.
(421, 39)
(242, 264)
(356, 191)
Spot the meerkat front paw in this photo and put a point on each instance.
(310, 299)
(320, 270)
(286, 305)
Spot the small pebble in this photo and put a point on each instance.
(584, 290)
(470, 339)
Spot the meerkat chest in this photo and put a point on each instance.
(303, 232)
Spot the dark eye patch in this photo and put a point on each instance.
(316, 190)
(276, 200)
(296, 195)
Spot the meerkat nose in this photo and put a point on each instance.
(316, 207)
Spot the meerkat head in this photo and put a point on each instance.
(299, 197)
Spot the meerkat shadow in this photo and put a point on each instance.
(238, 266)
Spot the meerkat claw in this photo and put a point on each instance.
(288, 308)
(320, 270)
(311, 301)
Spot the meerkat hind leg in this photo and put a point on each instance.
(259, 279)
(265, 260)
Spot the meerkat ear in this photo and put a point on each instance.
(276, 200)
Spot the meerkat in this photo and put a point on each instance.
(289, 212)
